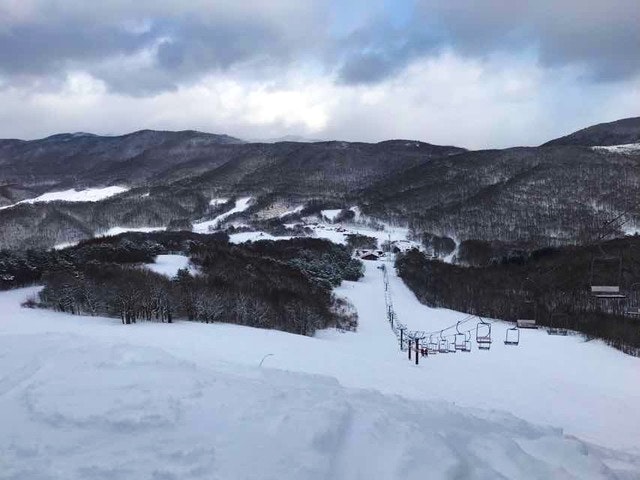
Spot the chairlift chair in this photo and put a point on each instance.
(452, 347)
(633, 305)
(558, 324)
(467, 343)
(606, 277)
(483, 335)
(527, 316)
(432, 346)
(512, 336)
(443, 344)
(459, 339)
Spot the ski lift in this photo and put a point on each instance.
(467, 342)
(527, 316)
(452, 347)
(606, 277)
(432, 346)
(512, 336)
(443, 344)
(633, 307)
(558, 324)
(459, 339)
(483, 334)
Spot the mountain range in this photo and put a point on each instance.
(559, 192)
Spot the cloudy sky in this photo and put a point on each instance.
(475, 73)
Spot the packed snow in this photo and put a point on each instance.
(292, 211)
(539, 380)
(86, 397)
(73, 195)
(118, 230)
(339, 233)
(169, 265)
(330, 214)
(113, 231)
(334, 233)
(241, 205)
(62, 246)
(631, 229)
(243, 237)
(626, 148)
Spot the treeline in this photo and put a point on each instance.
(552, 284)
(284, 285)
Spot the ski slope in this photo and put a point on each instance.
(241, 205)
(218, 201)
(168, 265)
(626, 148)
(334, 233)
(73, 195)
(243, 237)
(540, 380)
(330, 215)
(113, 231)
(89, 398)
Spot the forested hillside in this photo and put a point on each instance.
(552, 285)
(620, 132)
(280, 285)
(544, 196)
(556, 194)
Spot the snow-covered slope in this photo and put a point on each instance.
(86, 397)
(240, 206)
(330, 214)
(587, 388)
(72, 195)
(169, 265)
(627, 148)
(131, 412)
(113, 231)
(254, 236)
(218, 201)
(118, 230)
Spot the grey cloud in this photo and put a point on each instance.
(186, 43)
(190, 39)
(367, 68)
(380, 50)
(191, 49)
(602, 36)
(37, 49)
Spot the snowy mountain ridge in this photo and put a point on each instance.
(172, 176)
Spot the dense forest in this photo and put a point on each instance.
(284, 285)
(552, 284)
(544, 196)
